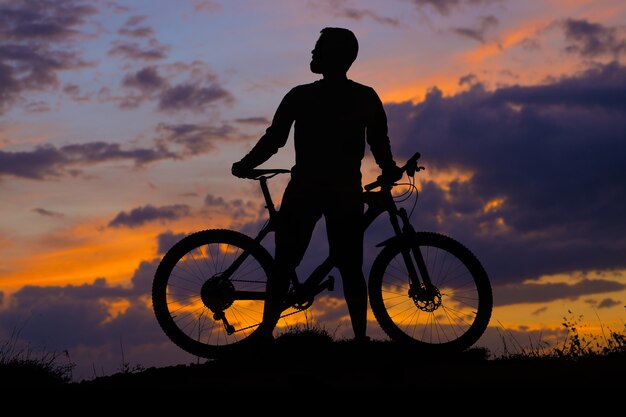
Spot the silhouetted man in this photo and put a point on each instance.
(334, 117)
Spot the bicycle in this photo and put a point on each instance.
(426, 289)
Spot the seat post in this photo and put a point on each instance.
(269, 204)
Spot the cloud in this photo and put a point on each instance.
(36, 45)
(148, 213)
(543, 190)
(153, 51)
(254, 120)
(189, 96)
(209, 6)
(445, 7)
(147, 79)
(48, 213)
(143, 46)
(541, 293)
(235, 208)
(47, 161)
(594, 39)
(608, 303)
(199, 91)
(478, 34)
(90, 320)
(166, 240)
(195, 138)
(74, 92)
(341, 8)
(147, 82)
(172, 142)
(131, 28)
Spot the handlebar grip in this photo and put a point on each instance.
(371, 186)
(410, 167)
(258, 172)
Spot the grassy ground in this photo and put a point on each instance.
(308, 357)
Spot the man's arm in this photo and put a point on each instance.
(275, 137)
(378, 139)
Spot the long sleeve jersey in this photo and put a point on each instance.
(332, 123)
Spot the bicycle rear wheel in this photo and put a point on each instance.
(452, 318)
(208, 292)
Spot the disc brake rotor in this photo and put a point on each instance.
(426, 299)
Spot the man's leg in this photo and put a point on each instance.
(355, 290)
(297, 218)
(344, 223)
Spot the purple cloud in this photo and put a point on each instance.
(197, 93)
(195, 138)
(141, 215)
(48, 213)
(542, 293)
(47, 161)
(131, 28)
(340, 8)
(154, 51)
(594, 39)
(552, 154)
(37, 44)
(189, 96)
(444, 7)
(478, 33)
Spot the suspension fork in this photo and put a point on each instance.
(410, 248)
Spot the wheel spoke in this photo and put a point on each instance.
(452, 317)
(190, 295)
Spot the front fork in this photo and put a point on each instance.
(421, 287)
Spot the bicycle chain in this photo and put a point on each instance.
(282, 316)
(298, 309)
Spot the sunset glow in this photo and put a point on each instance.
(120, 120)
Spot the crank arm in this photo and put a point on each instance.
(230, 329)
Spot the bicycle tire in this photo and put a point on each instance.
(182, 276)
(466, 300)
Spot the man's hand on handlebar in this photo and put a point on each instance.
(391, 174)
(241, 170)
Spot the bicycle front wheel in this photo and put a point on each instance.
(208, 292)
(449, 318)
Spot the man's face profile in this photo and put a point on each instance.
(317, 56)
(333, 53)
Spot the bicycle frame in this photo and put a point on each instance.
(377, 203)
(207, 272)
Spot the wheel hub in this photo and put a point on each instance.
(217, 294)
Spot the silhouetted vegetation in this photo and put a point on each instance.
(310, 354)
(575, 346)
(25, 366)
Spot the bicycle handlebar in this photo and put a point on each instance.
(410, 168)
(257, 173)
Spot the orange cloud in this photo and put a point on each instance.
(416, 91)
(508, 40)
(80, 254)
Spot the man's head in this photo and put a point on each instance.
(335, 51)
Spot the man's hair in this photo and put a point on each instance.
(343, 44)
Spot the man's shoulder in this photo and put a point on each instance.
(319, 84)
(301, 89)
(307, 86)
(360, 86)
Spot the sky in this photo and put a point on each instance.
(120, 120)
